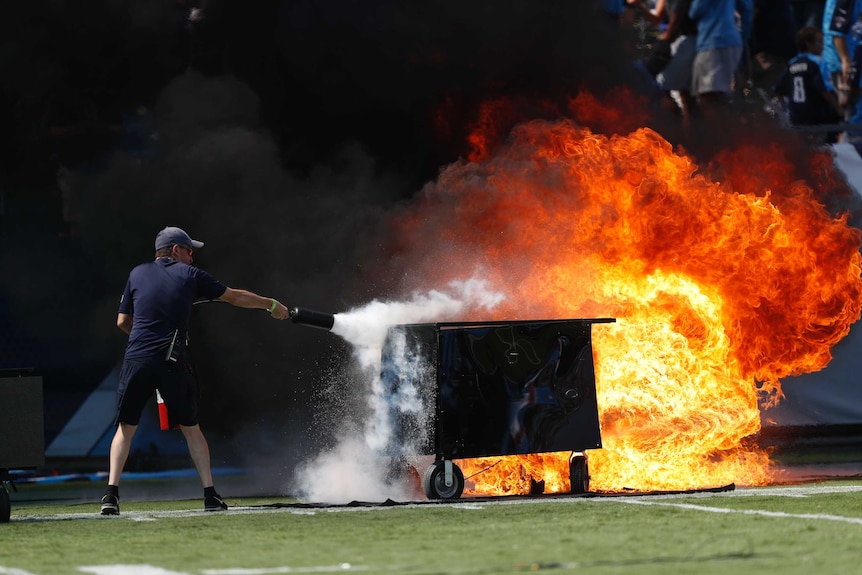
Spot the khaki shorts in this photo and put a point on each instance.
(713, 70)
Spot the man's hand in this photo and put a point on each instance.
(280, 311)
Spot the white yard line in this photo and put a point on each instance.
(13, 571)
(128, 570)
(782, 514)
(778, 491)
(152, 570)
(342, 568)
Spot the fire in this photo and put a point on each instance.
(723, 279)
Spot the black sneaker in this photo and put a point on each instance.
(214, 503)
(110, 504)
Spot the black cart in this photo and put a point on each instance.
(492, 389)
(22, 435)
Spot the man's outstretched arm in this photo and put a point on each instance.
(250, 300)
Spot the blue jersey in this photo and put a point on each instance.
(159, 297)
(840, 18)
(803, 84)
(716, 23)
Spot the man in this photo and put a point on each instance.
(719, 47)
(806, 86)
(840, 38)
(681, 32)
(154, 311)
(842, 29)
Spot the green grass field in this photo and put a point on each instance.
(813, 527)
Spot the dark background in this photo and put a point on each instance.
(282, 134)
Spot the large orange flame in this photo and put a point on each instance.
(719, 290)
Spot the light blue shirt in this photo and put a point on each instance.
(830, 55)
(716, 23)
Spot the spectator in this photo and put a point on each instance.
(676, 78)
(659, 54)
(719, 47)
(806, 87)
(842, 29)
(836, 54)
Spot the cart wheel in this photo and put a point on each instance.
(579, 476)
(434, 482)
(5, 505)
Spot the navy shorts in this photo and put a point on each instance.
(139, 380)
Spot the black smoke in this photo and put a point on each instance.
(281, 133)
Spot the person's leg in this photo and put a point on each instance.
(120, 447)
(179, 391)
(671, 103)
(686, 102)
(200, 453)
(714, 72)
(676, 78)
(133, 393)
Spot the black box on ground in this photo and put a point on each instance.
(22, 433)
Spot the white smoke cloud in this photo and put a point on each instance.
(365, 327)
(357, 468)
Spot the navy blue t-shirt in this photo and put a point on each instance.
(803, 83)
(159, 297)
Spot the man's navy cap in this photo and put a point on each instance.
(170, 236)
